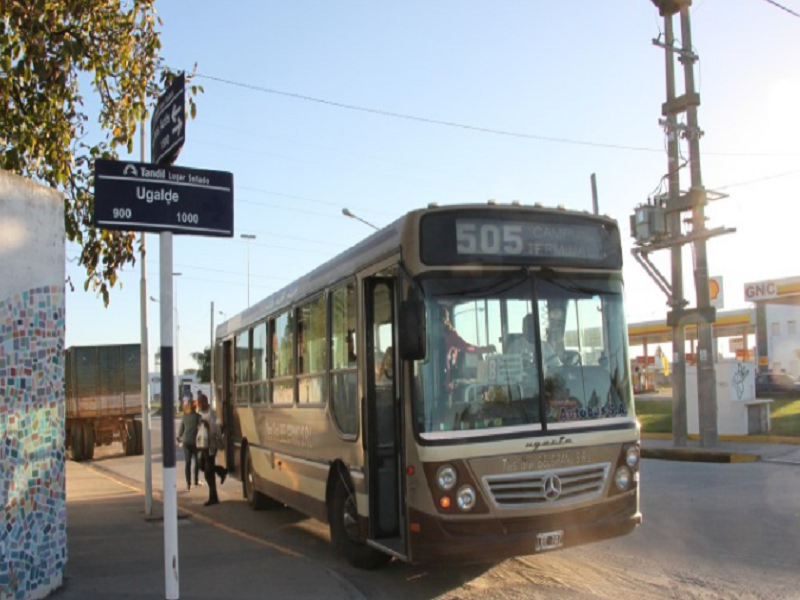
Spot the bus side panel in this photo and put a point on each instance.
(292, 449)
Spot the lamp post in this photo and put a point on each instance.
(347, 213)
(248, 237)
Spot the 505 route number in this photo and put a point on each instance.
(488, 238)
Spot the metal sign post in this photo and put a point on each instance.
(139, 196)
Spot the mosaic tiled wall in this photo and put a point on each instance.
(33, 534)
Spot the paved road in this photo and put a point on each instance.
(711, 531)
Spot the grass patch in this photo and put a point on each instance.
(785, 418)
(656, 417)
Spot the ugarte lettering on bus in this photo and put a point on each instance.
(289, 434)
(562, 441)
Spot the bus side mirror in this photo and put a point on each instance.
(412, 330)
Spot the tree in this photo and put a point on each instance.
(203, 360)
(50, 52)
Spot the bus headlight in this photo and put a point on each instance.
(446, 477)
(632, 457)
(466, 498)
(622, 478)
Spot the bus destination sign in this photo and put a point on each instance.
(461, 239)
(134, 196)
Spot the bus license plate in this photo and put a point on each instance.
(550, 540)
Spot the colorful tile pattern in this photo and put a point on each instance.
(33, 532)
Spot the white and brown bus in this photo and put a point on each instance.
(455, 387)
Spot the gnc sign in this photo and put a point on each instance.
(771, 288)
(763, 290)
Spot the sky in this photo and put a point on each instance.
(578, 83)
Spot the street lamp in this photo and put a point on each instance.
(346, 212)
(248, 237)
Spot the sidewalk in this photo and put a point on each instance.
(114, 552)
(734, 449)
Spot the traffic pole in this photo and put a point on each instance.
(171, 577)
(145, 365)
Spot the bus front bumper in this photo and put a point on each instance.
(482, 540)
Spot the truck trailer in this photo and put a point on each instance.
(103, 399)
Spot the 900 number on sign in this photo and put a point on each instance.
(122, 213)
(488, 238)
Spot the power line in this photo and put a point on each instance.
(396, 115)
(788, 10)
(759, 180)
(430, 121)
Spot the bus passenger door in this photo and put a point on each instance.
(382, 418)
(227, 413)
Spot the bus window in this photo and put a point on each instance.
(259, 366)
(344, 403)
(283, 359)
(311, 340)
(242, 368)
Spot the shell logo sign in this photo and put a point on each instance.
(716, 292)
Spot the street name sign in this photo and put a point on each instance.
(168, 126)
(135, 196)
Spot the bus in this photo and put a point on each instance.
(454, 388)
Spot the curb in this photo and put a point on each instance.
(750, 439)
(690, 455)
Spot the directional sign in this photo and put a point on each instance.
(167, 128)
(134, 196)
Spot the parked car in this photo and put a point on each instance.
(770, 385)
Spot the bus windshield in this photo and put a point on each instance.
(522, 353)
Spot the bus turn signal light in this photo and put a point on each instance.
(444, 501)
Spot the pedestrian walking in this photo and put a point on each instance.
(209, 440)
(187, 437)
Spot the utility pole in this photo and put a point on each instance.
(657, 226)
(677, 303)
(706, 371)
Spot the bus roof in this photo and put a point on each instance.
(369, 250)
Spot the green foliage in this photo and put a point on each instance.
(203, 360)
(656, 416)
(50, 52)
(785, 415)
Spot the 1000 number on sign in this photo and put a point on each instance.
(191, 218)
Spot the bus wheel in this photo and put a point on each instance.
(345, 531)
(255, 499)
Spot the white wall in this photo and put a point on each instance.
(736, 390)
(782, 346)
(31, 235)
(33, 539)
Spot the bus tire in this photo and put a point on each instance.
(88, 440)
(255, 499)
(76, 441)
(345, 532)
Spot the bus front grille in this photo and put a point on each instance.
(555, 487)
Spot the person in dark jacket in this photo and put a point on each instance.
(187, 436)
(208, 420)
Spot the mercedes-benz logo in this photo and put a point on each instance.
(552, 487)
